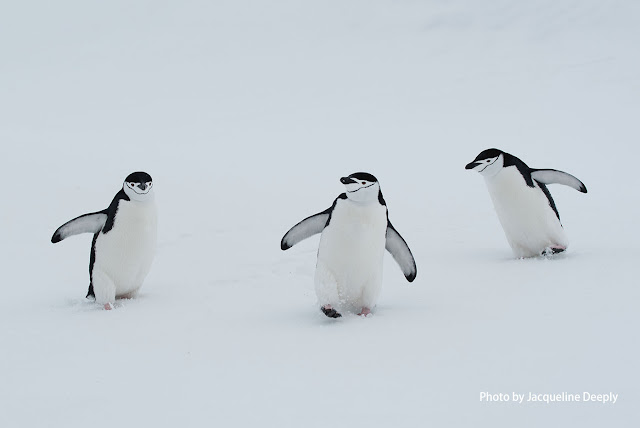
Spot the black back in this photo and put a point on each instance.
(92, 260)
(552, 204)
(525, 171)
(333, 205)
(111, 212)
(113, 209)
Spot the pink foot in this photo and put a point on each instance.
(108, 306)
(364, 312)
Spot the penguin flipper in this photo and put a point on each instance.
(306, 228)
(551, 176)
(401, 253)
(87, 223)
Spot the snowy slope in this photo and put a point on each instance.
(246, 114)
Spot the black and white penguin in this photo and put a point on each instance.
(355, 232)
(523, 203)
(124, 240)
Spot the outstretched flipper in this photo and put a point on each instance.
(551, 176)
(400, 251)
(87, 223)
(306, 228)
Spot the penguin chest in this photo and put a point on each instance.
(529, 222)
(352, 245)
(126, 251)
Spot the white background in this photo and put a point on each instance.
(246, 114)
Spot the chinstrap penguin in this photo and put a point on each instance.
(525, 208)
(124, 240)
(355, 232)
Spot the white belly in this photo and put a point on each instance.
(529, 222)
(349, 268)
(125, 253)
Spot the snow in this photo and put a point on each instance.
(246, 114)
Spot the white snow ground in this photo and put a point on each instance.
(246, 113)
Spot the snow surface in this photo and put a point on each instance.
(246, 114)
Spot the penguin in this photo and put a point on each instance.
(124, 240)
(525, 208)
(355, 231)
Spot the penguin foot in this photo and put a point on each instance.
(108, 306)
(550, 251)
(364, 312)
(330, 312)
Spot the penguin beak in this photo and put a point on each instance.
(472, 165)
(143, 186)
(347, 180)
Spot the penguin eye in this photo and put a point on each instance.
(364, 182)
(133, 184)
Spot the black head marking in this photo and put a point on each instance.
(135, 177)
(509, 160)
(484, 156)
(363, 176)
(489, 154)
(138, 177)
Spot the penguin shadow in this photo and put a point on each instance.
(84, 305)
(80, 305)
(543, 258)
(312, 316)
(551, 257)
(508, 257)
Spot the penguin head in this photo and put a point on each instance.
(361, 187)
(488, 163)
(138, 186)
